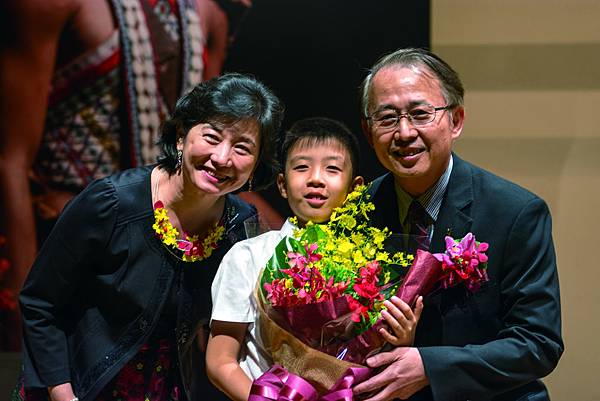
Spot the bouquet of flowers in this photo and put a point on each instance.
(321, 294)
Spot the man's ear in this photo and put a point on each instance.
(358, 180)
(458, 121)
(366, 130)
(281, 185)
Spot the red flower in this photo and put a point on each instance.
(367, 290)
(359, 310)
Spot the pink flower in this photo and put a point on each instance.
(312, 255)
(300, 260)
(278, 294)
(464, 261)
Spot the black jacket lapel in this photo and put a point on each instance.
(454, 218)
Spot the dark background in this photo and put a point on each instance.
(315, 53)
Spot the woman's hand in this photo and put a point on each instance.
(61, 392)
(402, 320)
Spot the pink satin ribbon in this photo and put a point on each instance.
(277, 384)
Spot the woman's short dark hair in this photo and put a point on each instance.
(318, 130)
(226, 99)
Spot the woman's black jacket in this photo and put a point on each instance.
(98, 287)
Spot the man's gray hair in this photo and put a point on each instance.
(451, 85)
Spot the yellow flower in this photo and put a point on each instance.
(345, 246)
(369, 251)
(170, 239)
(333, 216)
(378, 237)
(347, 221)
(383, 257)
(161, 213)
(169, 236)
(356, 193)
(358, 258)
(358, 238)
(330, 246)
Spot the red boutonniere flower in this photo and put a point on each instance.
(464, 261)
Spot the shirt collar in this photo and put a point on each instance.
(287, 229)
(431, 200)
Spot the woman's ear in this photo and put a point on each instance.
(281, 185)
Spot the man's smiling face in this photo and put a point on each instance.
(417, 156)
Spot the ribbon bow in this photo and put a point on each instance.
(277, 384)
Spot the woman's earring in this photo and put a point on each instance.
(250, 184)
(179, 161)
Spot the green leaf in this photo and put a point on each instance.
(313, 234)
(279, 260)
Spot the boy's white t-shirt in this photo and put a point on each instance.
(233, 294)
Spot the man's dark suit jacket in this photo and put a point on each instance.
(496, 343)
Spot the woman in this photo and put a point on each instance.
(121, 288)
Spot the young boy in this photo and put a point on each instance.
(319, 158)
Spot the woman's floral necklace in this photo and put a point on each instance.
(192, 247)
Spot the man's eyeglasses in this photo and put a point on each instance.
(388, 119)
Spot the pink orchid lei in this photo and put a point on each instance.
(464, 261)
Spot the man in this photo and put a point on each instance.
(492, 344)
(84, 86)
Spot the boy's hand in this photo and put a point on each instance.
(402, 320)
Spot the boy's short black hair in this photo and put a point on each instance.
(318, 130)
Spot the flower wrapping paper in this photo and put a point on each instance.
(315, 341)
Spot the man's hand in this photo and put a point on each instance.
(403, 376)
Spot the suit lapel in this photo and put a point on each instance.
(454, 218)
(386, 206)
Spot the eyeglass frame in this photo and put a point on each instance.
(406, 114)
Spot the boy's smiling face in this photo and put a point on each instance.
(318, 176)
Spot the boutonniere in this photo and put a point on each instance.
(464, 261)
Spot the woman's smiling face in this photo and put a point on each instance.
(219, 158)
